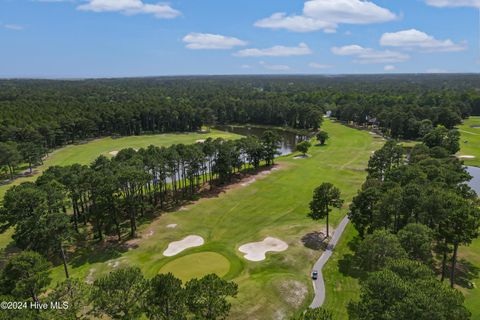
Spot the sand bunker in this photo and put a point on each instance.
(113, 153)
(466, 157)
(172, 226)
(176, 247)
(256, 251)
(200, 141)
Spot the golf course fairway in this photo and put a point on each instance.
(275, 205)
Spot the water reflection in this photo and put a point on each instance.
(475, 182)
(289, 140)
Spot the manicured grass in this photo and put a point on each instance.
(472, 296)
(275, 205)
(88, 152)
(470, 141)
(197, 265)
(341, 287)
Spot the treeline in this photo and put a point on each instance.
(412, 216)
(78, 201)
(122, 294)
(62, 112)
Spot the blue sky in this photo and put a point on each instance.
(117, 38)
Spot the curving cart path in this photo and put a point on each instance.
(319, 284)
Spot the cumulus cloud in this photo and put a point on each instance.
(454, 3)
(415, 39)
(277, 51)
(389, 68)
(326, 15)
(197, 41)
(274, 67)
(368, 55)
(316, 65)
(130, 7)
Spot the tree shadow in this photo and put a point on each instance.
(315, 240)
(97, 253)
(466, 272)
(348, 265)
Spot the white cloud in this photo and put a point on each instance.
(130, 7)
(14, 27)
(277, 51)
(327, 15)
(198, 41)
(368, 55)
(274, 67)
(389, 68)
(454, 3)
(316, 65)
(293, 23)
(415, 39)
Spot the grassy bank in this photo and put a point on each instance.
(275, 205)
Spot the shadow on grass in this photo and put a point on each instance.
(466, 272)
(98, 253)
(348, 265)
(314, 240)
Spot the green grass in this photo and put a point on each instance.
(197, 265)
(472, 296)
(340, 287)
(275, 205)
(470, 141)
(88, 152)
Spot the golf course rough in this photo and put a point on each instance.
(274, 206)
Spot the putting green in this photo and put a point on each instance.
(197, 265)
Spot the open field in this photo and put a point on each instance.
(275, 205)
(470, 141)
(88, 152)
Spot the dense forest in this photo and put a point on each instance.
(39, 115)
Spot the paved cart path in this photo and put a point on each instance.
(319, 284)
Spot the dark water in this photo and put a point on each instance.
(289, 140)
(475, 182)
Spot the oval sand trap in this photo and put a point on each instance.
(113, 153)
(197, 265)
(256, 251)
(176, 247)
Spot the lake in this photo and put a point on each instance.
(475, 182)
(289, 139)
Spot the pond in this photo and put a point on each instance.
(289, 139)
(475, 182)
